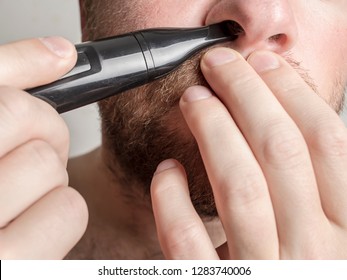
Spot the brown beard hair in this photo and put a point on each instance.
(142, 130)
(144, 126)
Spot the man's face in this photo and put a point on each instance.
(144, 126)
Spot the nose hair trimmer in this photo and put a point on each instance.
(110, 66)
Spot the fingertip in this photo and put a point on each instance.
(59, 46)
(169, 176)
(196, 93)
(64, 53)
(181, 232)
(263, 61)
(219, 57)
(35, 62)
(165, 165)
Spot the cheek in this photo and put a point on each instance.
(168, 13)
(323, 55)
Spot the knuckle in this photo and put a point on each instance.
(23, 118)
(248, 82)
(64, 136)
(43, 152)
(45, 159)
(243, 189)
(65, 133)
(330, 140)
(179, 238)
(73, 205)
(284, 149)
(14, 104)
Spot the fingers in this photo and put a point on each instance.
(23, 117)
(27, 174)
(27, 64)
(181, 232)
(275, 154)
(275, 140)
(324, 132)
(48, 229)
(40, 217)
(35, 62)
(239, 187)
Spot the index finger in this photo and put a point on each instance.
(34, 62)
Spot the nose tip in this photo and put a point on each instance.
(270, 34)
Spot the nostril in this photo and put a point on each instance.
(235, 28)
(280, 39)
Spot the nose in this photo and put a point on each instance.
(264, 24)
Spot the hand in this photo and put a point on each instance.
(276, 157)
(40, 217)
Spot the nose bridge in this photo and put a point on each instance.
(267, 24)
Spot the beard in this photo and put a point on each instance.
(144, 126)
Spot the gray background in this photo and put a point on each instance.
(34, 18)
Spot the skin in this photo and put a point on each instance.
(281, 194)
(37, 206)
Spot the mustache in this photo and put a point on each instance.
(288, 57)
(304, 73)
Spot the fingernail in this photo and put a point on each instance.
(165, 165)
(59, 46)
(196, 93)
(219, 56)
(263, 61)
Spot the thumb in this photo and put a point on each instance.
(34, 62)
